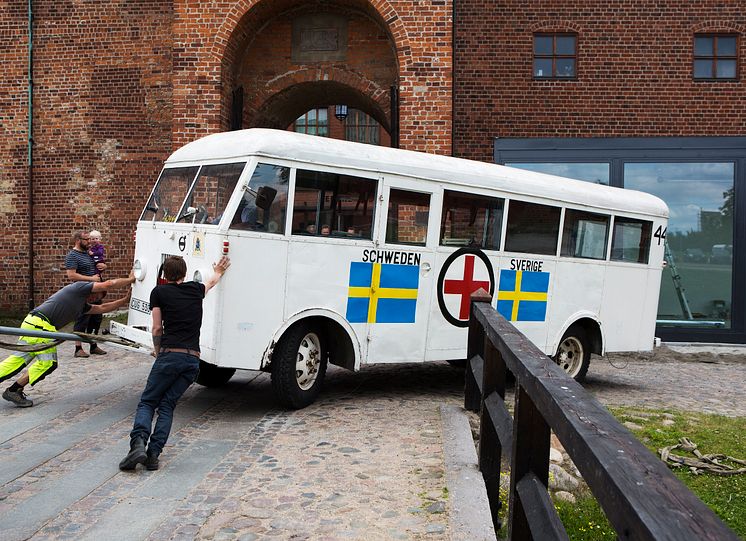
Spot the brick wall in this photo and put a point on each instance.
(13, 135)
(119, 85)
(634, 72)
(102, 126)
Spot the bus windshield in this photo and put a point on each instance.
(210, 194)
(169, 194)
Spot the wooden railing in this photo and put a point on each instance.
(641, 498)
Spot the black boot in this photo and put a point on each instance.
(151, 462)
(135, 456)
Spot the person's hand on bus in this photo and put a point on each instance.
(219, 269)
(222, 265)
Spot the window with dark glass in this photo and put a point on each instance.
(407, 218)
(334, 205)
(532, 228)
(555, 56)
(361, 128)
(313, 122)
(585, 234)
(715, 56)
(471, 220)
(631, 240)
(263, 206)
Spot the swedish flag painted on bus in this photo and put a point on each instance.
(522, 295)
(382, 293)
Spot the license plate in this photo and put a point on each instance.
(140, 305)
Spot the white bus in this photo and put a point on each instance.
(349, 254)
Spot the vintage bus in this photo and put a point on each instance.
(349, 254)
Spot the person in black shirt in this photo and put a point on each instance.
(176, 307)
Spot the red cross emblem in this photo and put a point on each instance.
(473, 265)
(465, 287)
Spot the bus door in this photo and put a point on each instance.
(332, 228)
(467, 260)
(402, 274)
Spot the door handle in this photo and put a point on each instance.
(426, 267)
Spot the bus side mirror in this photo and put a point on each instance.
(264, 197)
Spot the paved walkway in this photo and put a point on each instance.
(365, 462)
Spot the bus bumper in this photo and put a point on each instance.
(140, 336)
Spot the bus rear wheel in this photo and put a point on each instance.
(574, 353)
(298, 367)
(214, 376)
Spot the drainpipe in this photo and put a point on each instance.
(30, 154)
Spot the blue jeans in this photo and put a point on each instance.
(171, 375)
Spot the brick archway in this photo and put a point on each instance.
(293, 94)
(210, 45)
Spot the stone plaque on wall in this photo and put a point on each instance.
(319, 38)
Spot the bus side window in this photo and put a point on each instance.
(631, 240)
(471, 220)
(333, 205)
(263, 206)
(532, 228)
(585, 235)
(407, 218)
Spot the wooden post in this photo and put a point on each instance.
(490, 448)
(531, 442)
(475, 346)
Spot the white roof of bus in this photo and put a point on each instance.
(322, 150)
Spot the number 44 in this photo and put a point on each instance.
(660, 234)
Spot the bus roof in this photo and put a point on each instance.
(312, 149)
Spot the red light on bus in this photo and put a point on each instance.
(226, 245)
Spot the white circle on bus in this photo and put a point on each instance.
(465, 271)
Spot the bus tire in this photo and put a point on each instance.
(214, 376)
(574, 353)
(298, 366)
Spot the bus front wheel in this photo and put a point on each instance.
(574, 353)
(298, 367)
(214, 376)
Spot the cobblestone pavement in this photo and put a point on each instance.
(364, 462)
(668, 379)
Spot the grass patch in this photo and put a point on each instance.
(584, 520)
(725, 495)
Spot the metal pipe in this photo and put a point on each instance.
(13, 331)
(30, 154)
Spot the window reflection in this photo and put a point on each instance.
(597, 173)
(700, 197)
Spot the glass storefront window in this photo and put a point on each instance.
(590, 172)
(696, 287)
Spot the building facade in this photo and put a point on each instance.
(585, 89)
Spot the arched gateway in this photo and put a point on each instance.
(271, 62)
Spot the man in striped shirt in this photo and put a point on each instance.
(81, 267)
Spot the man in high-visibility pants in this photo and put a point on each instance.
(56, 312)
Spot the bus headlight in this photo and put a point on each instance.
(139, 269)
(198, 276)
